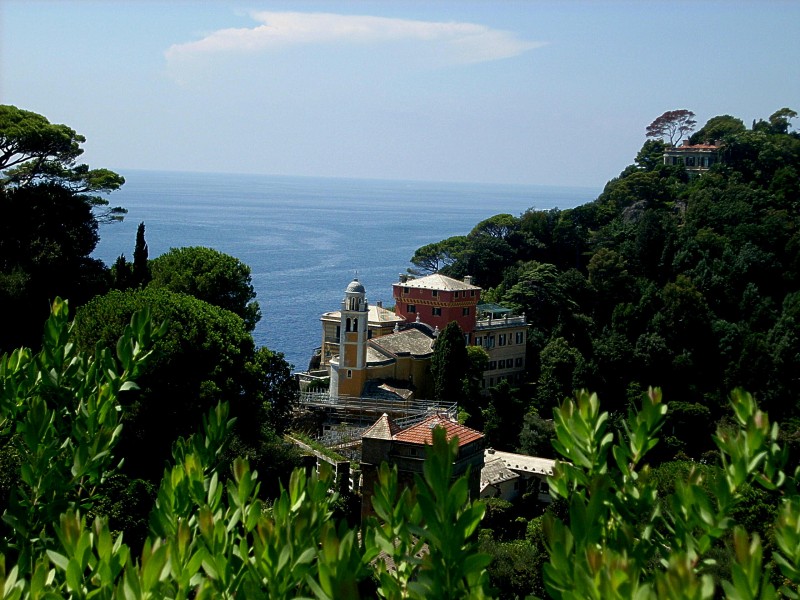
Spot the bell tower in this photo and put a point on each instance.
(351, 368)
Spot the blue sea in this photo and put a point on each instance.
(305, 238)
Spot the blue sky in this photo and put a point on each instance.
(552, 93)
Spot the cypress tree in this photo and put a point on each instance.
(141, 270)
(449, 364)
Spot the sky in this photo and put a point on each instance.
(535, 92)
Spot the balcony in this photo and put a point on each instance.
(500, 323)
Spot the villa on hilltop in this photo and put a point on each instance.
(695, 158)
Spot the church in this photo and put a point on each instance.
(370, 351)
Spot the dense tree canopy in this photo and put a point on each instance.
(50, 208)
(669, 279)
(208, 356)
(209, 275)
(34, 151)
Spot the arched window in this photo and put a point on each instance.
(355, 324)
(347, 325)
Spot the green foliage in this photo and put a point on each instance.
(435, 513)
(51, 208)
(432, 258)
(625, 540)
(209, 275)
(206, 357)
(34, 151)
(536, 436)
(60, 412)
(717, 129)
(666, 279)
(449, 364)
(141, 270)
(210, 534)
(46, 238)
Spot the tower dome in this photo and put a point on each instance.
(355, 286)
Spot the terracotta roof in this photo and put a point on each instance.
(422, 433)
(438, 282)
(383, 429)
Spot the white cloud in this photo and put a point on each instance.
(454, 42)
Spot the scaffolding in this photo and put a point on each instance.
(348, 417)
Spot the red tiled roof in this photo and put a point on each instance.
(422, 433)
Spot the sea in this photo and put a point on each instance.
(306, 238)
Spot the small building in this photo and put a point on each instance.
(405, 448)
(695, 158)
(507, 475)
(497, 480)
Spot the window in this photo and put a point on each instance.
(479, 341)
(518, 361)
(519, 337)
(690, 161)
(349, 374)
(464, 311)
(412, 308)
(434, 293)
(347, 325)
(501, 364)
(490, 341)
(472, 293)
(405, 290)
(501, 339)
(436, 311)
(492, 365)
(455, 294)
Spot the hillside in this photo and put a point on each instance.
(684, 281)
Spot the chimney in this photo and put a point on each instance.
(379, 304)
(468, 279)
(403, 277)
(686, 142)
